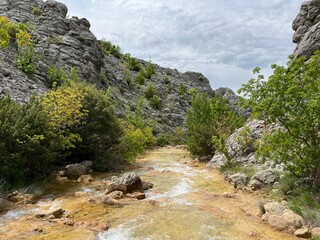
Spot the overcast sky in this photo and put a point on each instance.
(223, 39)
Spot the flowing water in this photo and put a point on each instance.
(185, 203)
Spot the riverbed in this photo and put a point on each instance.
(186, 202)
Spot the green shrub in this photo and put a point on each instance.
(127, 77)
(36, 11)
(149, 71)
(134, 142)
(100, 132)
(155, 102)
(150, 91)
(179, 136)
(73, 122)
(25, 148)
(163, 139)
(140, 80)
(192, 92)
(56, 77)
(234, 167)
(209, 122)
(182, 90)
(166, 80)
(55, 39)
(132, 63)
(109, 48)
(138, 135)
(27, 60)
(290, 98)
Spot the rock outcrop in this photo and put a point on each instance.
(132, 182)
(74, 171)
(307, 29)
(281, 218)
(68, 43)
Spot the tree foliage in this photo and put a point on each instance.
(290, 98)
(209, 123)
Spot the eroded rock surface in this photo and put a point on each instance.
(307, 29)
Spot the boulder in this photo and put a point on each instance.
(56, 213)
(315, 232)
(85, 178)
(131, 180)
(147, 185)
(112, 186)
(303, 233)
(116, 194)
(136, 195)
(87, 165)
(106, 200)
(74, 171)
(274, 208)
(263, 178)
(217, 161)
(21, 198)
(255, 184)
(238, 180)
(282, 219)
(240, 145)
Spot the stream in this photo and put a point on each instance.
(185, 203)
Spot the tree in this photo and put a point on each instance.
(209, 123)
(290, 98)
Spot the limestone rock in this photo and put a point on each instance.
(147, 185)
(315, 232)
(232, 101)
(106, 200)
(56, 213)
(282, 219)
(240, 143)
(263, 178)
(303, 233)
(307, 29)
(87, 165)
(131, 180)
(74, 171)
(274, 208)
(85, 178)
(238, 180)
(137, 195)
(21, 198)
(116, 194)
(112, 186)
(217, 161)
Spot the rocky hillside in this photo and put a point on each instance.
(307, 29)
(67, 43)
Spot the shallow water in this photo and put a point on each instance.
(185, 203)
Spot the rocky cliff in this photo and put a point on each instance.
(307, 29)
(68, 43)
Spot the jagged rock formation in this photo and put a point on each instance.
(68, 43)
(307, 29)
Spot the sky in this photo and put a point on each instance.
(222, 39)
